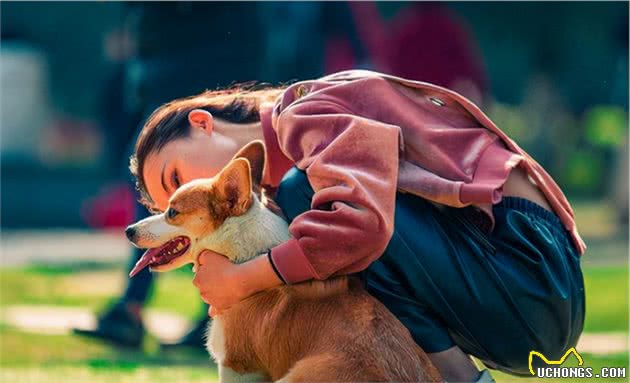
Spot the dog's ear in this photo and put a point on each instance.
(234, 184)
(254, 152)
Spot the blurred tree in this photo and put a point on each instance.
(606, 125)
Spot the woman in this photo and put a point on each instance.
(481, 256)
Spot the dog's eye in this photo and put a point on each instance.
(171, 213)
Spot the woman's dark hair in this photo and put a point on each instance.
(238, 104)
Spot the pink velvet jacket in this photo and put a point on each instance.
(362, 136)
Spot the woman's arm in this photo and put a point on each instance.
(352, 164)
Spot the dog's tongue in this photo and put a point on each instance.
(144, 261)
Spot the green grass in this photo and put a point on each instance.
(606, 291)
(606, 298)
(62, 358)
(26, 357)
(93, 287)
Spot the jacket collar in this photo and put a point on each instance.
(276, 162)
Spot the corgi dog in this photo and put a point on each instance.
(319, 331)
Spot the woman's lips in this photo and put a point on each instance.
(161, 255)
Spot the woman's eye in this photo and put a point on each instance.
(176, 181)
(171, 213)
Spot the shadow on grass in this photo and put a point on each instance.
(83, 266)
(128, 361)
(69, 268)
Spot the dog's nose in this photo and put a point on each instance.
(130, 231)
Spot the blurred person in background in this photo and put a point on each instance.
(168, 50)
(419, 41)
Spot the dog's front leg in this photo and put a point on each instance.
(227, 375)
(217, 348)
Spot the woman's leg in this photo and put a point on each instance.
(496, 296)
(398, 280)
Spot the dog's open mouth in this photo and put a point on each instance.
(162, 255)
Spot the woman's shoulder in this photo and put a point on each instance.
(378, 96)
(341, 88)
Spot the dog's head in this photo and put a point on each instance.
(196, 210)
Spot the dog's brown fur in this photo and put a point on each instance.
(322, 331)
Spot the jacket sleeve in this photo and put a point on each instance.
(352, 165)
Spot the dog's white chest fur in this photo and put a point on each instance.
(217, 348)
(216, 340)
(243, 237)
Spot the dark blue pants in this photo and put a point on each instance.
(497, 296)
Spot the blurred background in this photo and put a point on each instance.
(78, 79)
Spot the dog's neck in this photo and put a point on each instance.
(244, 237)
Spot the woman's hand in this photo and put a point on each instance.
(217, 282)
(222, 283)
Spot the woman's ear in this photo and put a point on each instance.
(200, 119)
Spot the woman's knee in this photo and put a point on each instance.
(294, 193)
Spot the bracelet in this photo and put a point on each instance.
(273, 266)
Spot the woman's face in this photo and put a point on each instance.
(200, 155)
